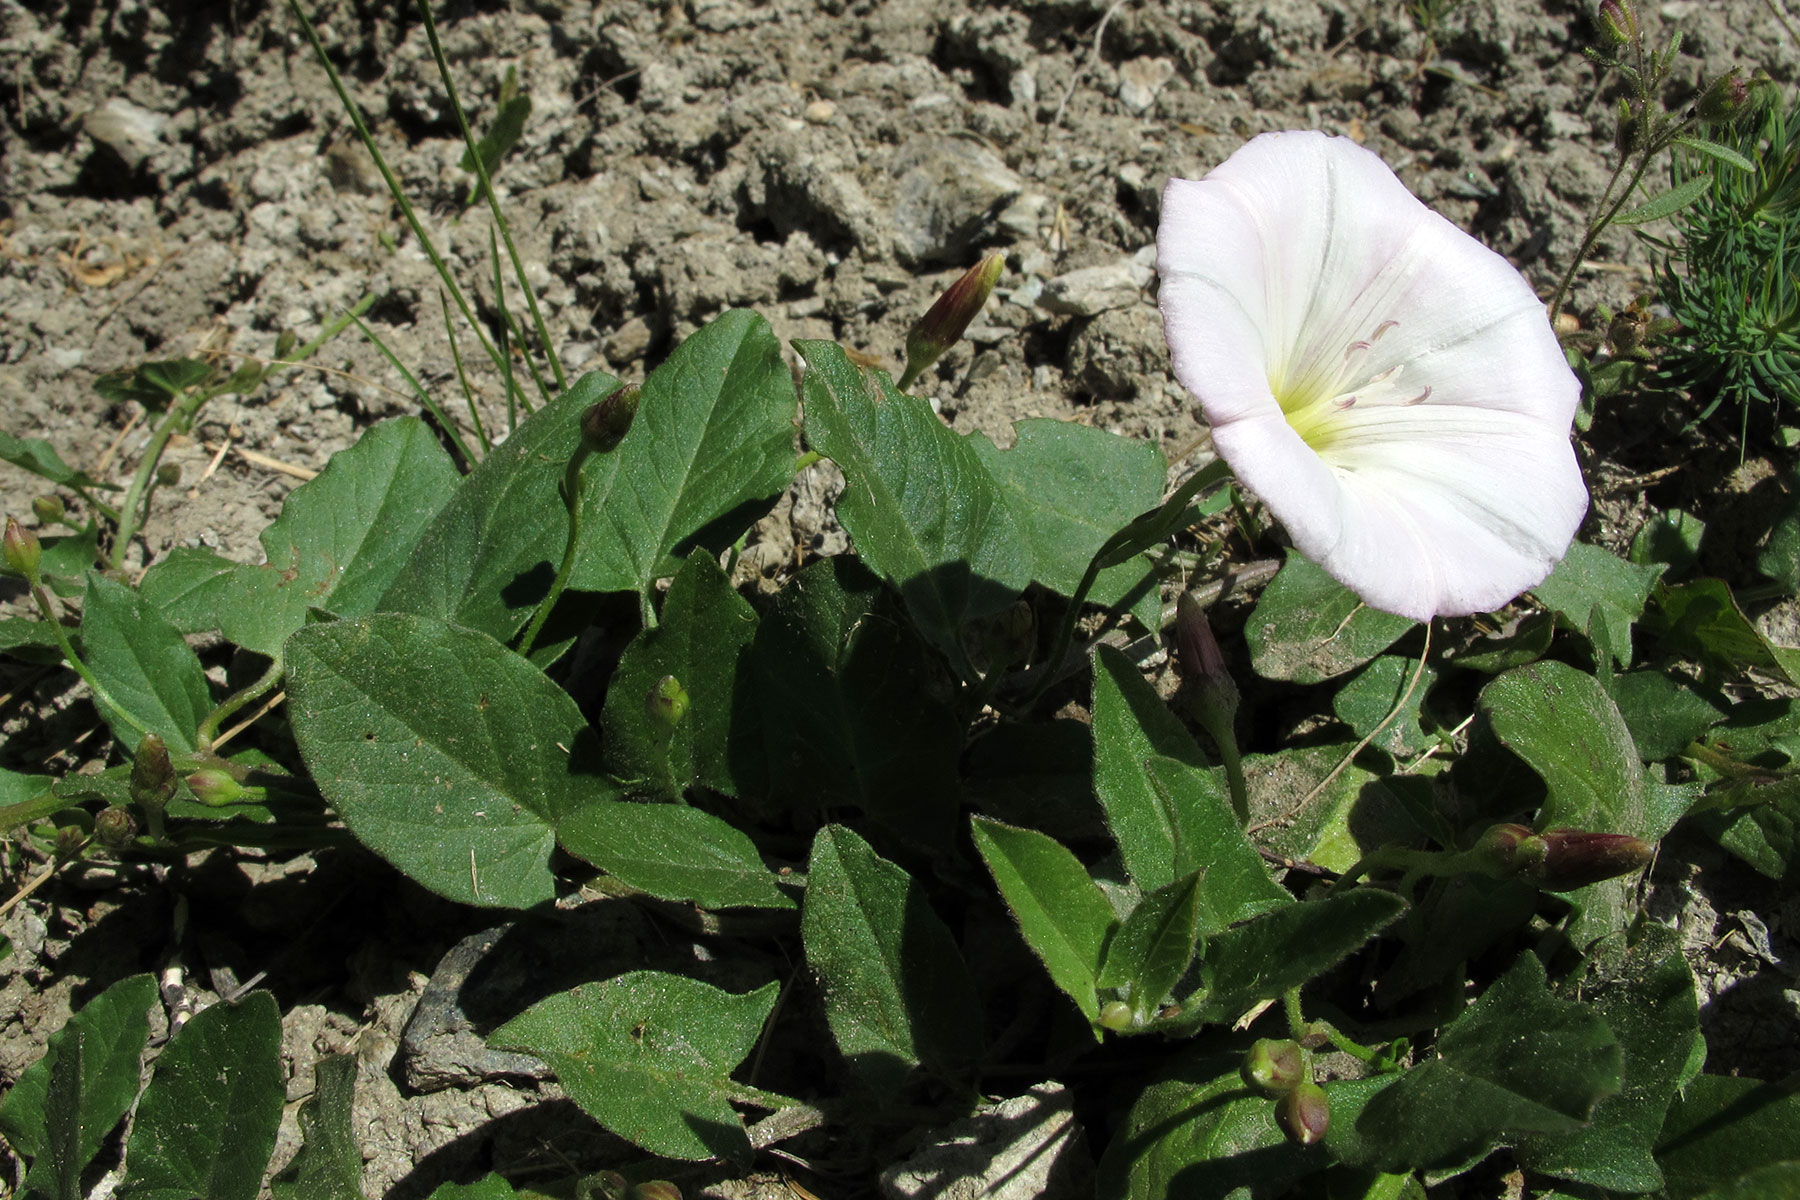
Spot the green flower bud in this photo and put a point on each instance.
(666, 704)
(1304, 1114)
(152, 774)
(1116, 1016)
(168, 475)
(605, 423)
(1628, 126)
(285, 342)
(115, 828)
(216, 788)
(945, 321)
(1275, 1066)
(22, 552)
(653, 1189)
(1618, 22)
(1725, 99)
(1498, 851)
(49, 510)
(69, 840)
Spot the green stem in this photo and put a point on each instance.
(487, 188)
(1218, 725)
(101, 695)
(237, 700)
(131, 510)
(571, 489)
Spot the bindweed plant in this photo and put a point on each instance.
(1359, 951)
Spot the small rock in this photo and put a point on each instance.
(1090, 291)
(131, 132)
(628, 342)
(820, 112)
(1027, 1148)
(1140, 79)
(1023, 86)
(948, 191)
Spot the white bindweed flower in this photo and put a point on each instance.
(1387, 385)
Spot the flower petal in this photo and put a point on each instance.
(1435, 476)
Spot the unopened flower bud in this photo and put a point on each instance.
(666, 704)
(945, 321)
(1116, 1016)
(115, 828)
(1629, 331)
(1628, 125)
(152, 781)
(69, 840)
(168, 475)
(1618, 22)
(1304, 1114)
(1725, 99)
(22, 551)
(605, 423)
(49, 510)
(1565, 859)
(216, 788)
(1275, 1066)
(653, 1189)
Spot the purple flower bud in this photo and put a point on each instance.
(22, 551)
(1304, 1114)
(1275, 1066)
(1565, 859)
(1198, 658)
(945, 321)
(1618, 22)
(605, 423)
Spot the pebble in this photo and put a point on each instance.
(948, 191)
(1090, 291)
(820, 112)
(1025, 1148)
(1140, 79)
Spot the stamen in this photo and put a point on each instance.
(1346, 402)
(1383, 328)
(1420, 398)
(1353, 347)
(1385, 375)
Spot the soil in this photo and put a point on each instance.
(178, 179)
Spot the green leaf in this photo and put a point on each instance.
(1307, 627)
(445, 753)
(41, 459)
(1062, 913)
(1701, 620)
(847, 708)
(1671, 538)
(711, 448)
(1561, 722)
(488, 1187)
(919, 502)
(897, 994)
(1528, 642)
(144, 663)
(1668, 203)
(1152, 950)
(1070, 487)
(703, 639)
(1132, 725)
(1663, 713)
(672, 852)
(1589, 576)
(1234, 883)
(488, 556)
(650, 1057)
(330, 1164)
(1261, 959)
(1517, 1061)
(1724, 154)
(1764, 832)
(206, 1124)
(1779, 557)
(1777, 1181)
(1655, 1014)
(1200, 1133)
(153, 384)
(61, 1139)
(1365, 701)
(1723, 1128)
(192, 587)
(340, 542)
(1347, 815)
